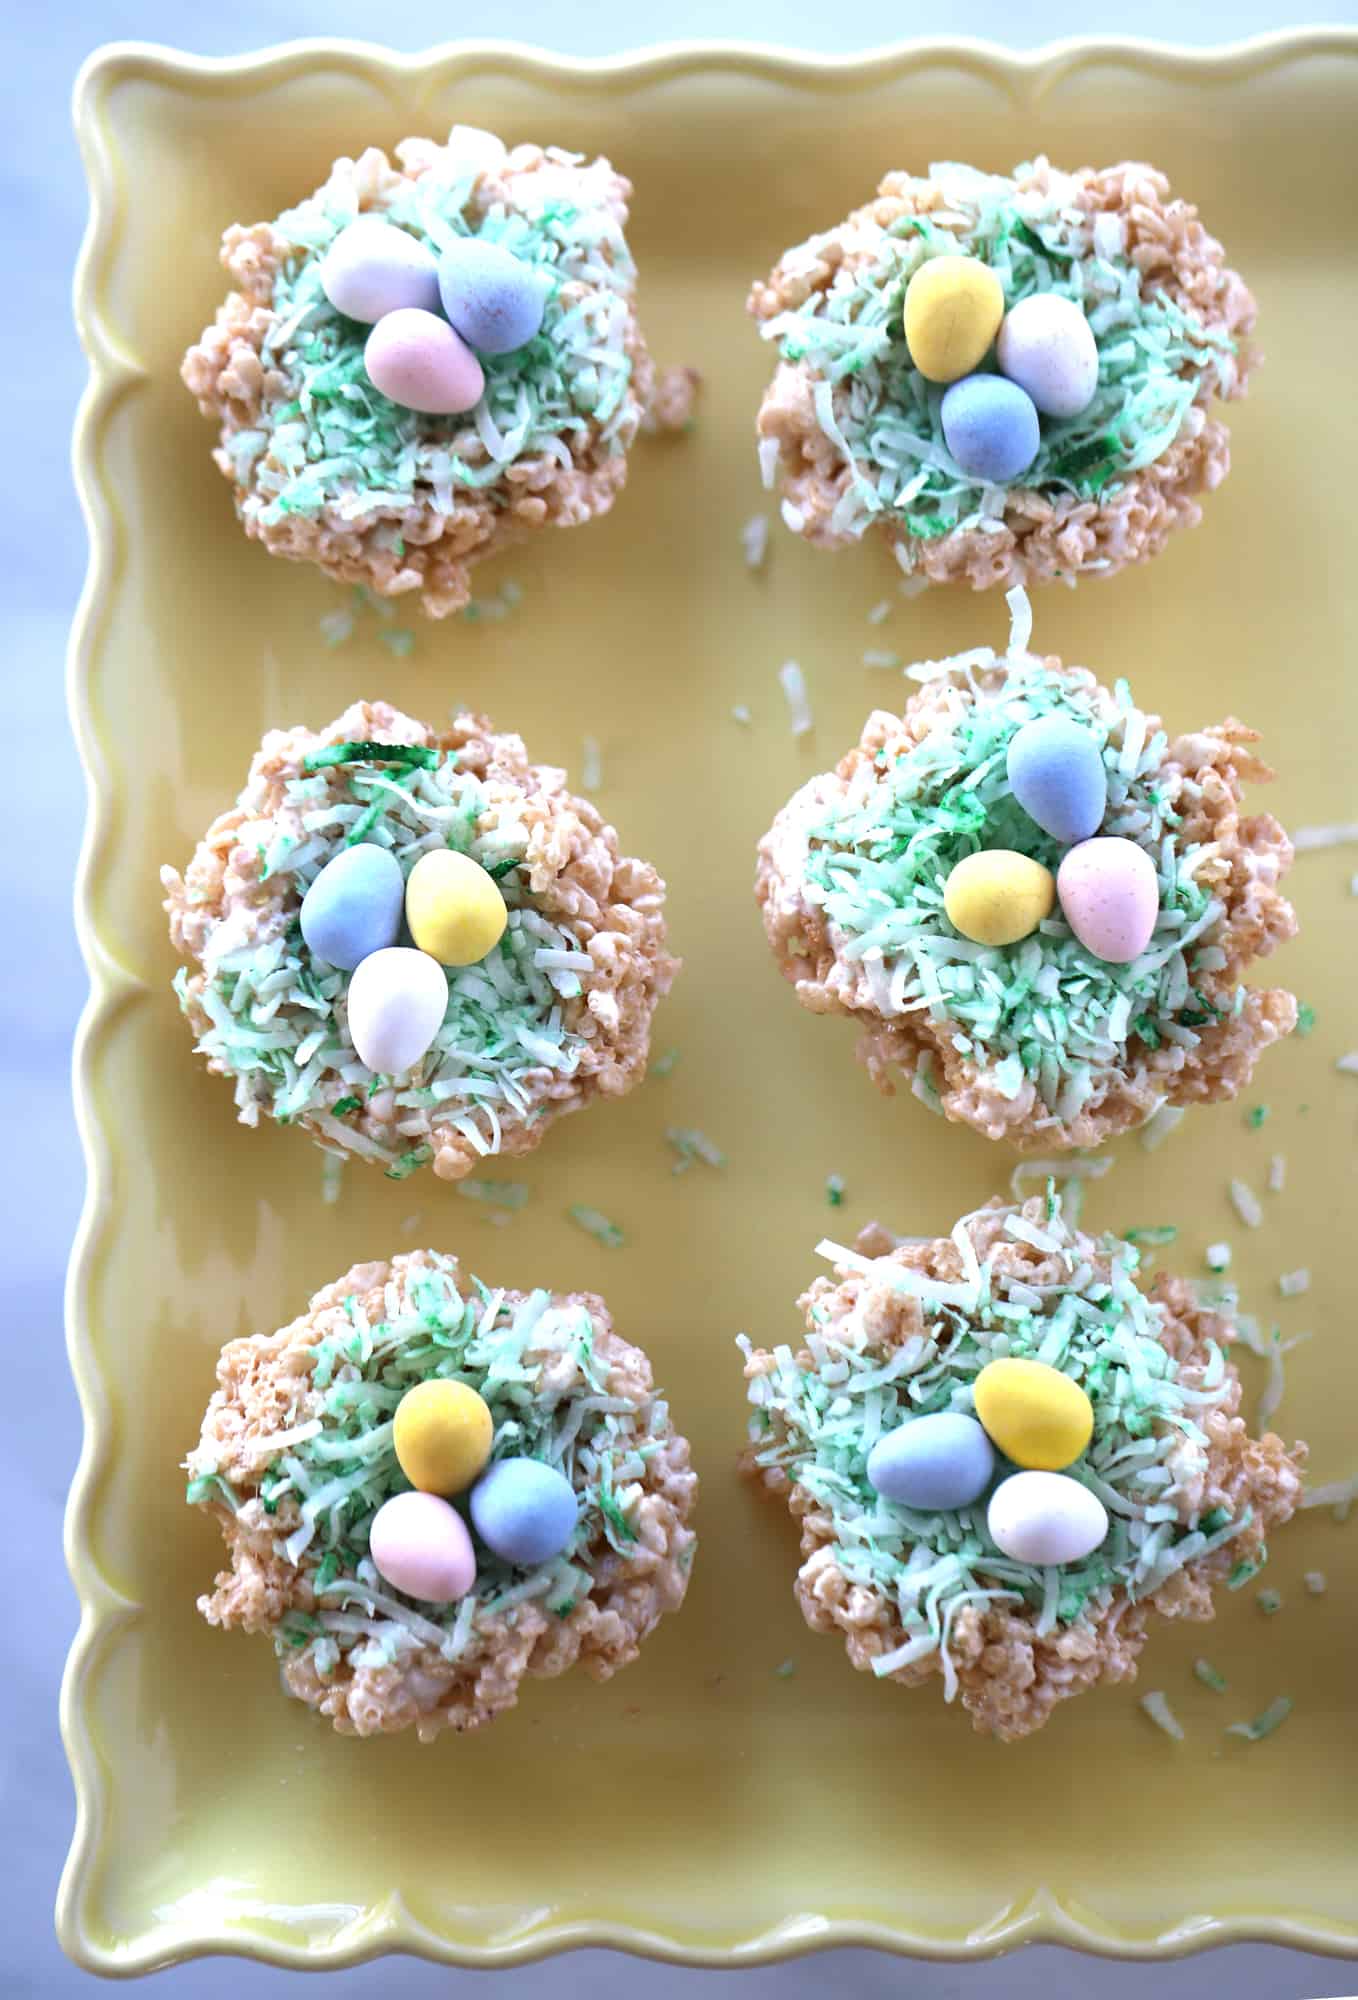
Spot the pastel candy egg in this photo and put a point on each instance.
(397, 1000)
(373, 268)
(420, 1545)
(1045, 1518)
(953, 309)
(1037, 1416)
(997, 897)
(454, 908)
(524, 1511)
(492, 297)
(1047, 347)
(353, 907)
(990, 427)
(1110, 897)
(932, 1463)
(415, 357)
(442, 1435)
(1057, 776)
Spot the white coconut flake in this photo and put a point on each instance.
(754, 539)
(876, 658)
(591, 764)
(1277, 1173)
(1348, 1064)
(1162, 1715)
(1316, 1582)
(768, 462)
(740, 713)
(1218, 1256)
(1159, 1126)
(1308, 839)
(793, 517)
(1020, 619)
(1245, 1203)
(793, 683)
(880, 612)
(1293, 1283)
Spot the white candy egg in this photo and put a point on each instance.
(1047, 347)
(1045, 1518)
(372, 268)
(397, 1000)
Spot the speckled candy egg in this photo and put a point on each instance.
(1037, 1416)
(353, 907)
(1110, 897)
(492, 297)
(396, 1003)
(442, 1435)
(420, 1545)
(1057, 775)
(990, 427)
(1047, 347)
(932, 1463)
(1045, 1518)
(454, 907)
(953, 309)
(372, 268)
(421, 363)
(998, 896)
(524, 1511)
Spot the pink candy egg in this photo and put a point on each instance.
(421, 1546)
(1110, 897)
(415, 357)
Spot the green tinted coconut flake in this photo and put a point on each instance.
(322, 1481)
(1046, 1010)
(272, 1007)
(884, 419)
(335, 441)
(818, 1413)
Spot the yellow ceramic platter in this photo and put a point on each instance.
(702, 1807)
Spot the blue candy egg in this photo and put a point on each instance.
(524, 1511)
(1057, 775)
(990, 427)
(354, 906)
(933, 1463)
(492, 298)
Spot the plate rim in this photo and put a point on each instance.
(390, 1927)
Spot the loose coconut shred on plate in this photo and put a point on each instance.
(855, 431)
(903, 1329)
(325, 469)
(557, 1015)
(296, 1457)
(1040, 1043)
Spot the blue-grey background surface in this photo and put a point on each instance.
(42, 209)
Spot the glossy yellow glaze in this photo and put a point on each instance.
(208, 1804)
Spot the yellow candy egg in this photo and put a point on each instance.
(1037, 1416)
(442, 1435)
(997, 897)
(953, 309)
(454, 908)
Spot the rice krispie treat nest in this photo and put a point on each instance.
(296, 1458)
(855, 429)
(903, 1330)
(325, 469)
(557, 1015)
(1040, 1042)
